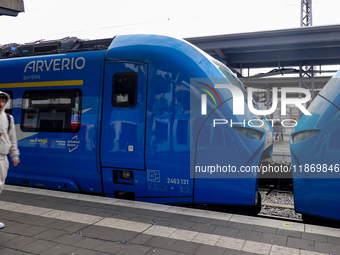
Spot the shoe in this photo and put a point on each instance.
(2, 225)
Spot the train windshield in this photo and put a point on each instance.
(231, 78)
(235, 81)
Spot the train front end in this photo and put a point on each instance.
(203, 145)
(228, 139)
(315, 151)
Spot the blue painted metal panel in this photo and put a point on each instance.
(229, 152)
(171, 64)
(47, 158)
(316, 173)
(123, 126)
(331, 90)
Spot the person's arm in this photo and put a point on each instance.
(13, 151)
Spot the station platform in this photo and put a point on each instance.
(45, 222)
(281, 149)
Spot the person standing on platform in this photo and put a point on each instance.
(8, 141)
(278, 130)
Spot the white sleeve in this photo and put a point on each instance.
(13, 151)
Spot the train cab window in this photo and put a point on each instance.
(9, 105)
(51, 110)
(124, 89)
(231, 78)
(234, 81)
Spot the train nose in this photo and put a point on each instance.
(314, 145)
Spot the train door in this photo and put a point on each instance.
(123, 122)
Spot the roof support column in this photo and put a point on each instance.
(269, 100)
(307, 71)
(306, 13)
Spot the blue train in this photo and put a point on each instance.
(315, 152)
(124, 117)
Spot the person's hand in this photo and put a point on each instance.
(16, 162)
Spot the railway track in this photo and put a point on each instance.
(278, 203)
(267, 216)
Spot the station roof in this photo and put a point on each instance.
(319, 45)
(11, 7)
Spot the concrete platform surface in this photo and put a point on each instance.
(281, 149)
(46, 222)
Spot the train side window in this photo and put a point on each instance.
(124, 89)
(51, 110)
(9, 104)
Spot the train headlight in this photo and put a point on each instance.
(126, 175)
(303, 135)
(250, 133)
